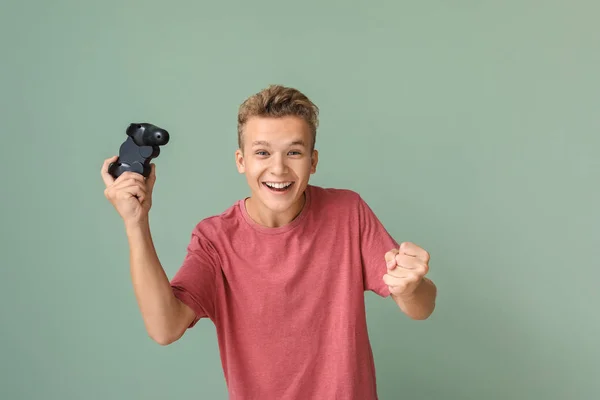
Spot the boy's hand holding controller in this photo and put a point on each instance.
(130, 193)
(130, 176)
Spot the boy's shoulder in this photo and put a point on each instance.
(227, 218)
(332, 194)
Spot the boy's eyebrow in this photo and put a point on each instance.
(265, 143)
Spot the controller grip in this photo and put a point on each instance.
(117, 168)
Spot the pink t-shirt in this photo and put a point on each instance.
(288, 302)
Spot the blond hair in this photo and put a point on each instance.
(279, 101)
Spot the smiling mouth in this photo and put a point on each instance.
(278, 187)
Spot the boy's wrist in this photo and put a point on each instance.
(137, 225)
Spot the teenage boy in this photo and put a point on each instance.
(281, 273)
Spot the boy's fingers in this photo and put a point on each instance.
(127, 175)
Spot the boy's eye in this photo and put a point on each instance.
(263, 153)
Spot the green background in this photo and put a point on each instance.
(470, 127)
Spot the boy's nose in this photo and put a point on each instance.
(279, 166)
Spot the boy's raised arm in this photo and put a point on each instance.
(165, 317)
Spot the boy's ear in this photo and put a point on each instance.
(239, 161)
(314, 161)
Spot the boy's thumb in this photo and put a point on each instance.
(152, 176)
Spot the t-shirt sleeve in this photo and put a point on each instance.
(375, 241)
(195, 281)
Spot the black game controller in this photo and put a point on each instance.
(140, 147)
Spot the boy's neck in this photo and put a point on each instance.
(269, 219)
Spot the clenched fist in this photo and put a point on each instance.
(406, 268)
(130, 193)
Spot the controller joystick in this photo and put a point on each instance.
(140, 147)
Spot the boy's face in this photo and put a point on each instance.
(277, 162)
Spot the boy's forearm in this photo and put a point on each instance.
(159, 307)
(421, 303)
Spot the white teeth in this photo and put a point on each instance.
(277, 185)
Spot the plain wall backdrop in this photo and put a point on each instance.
(471, 128)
